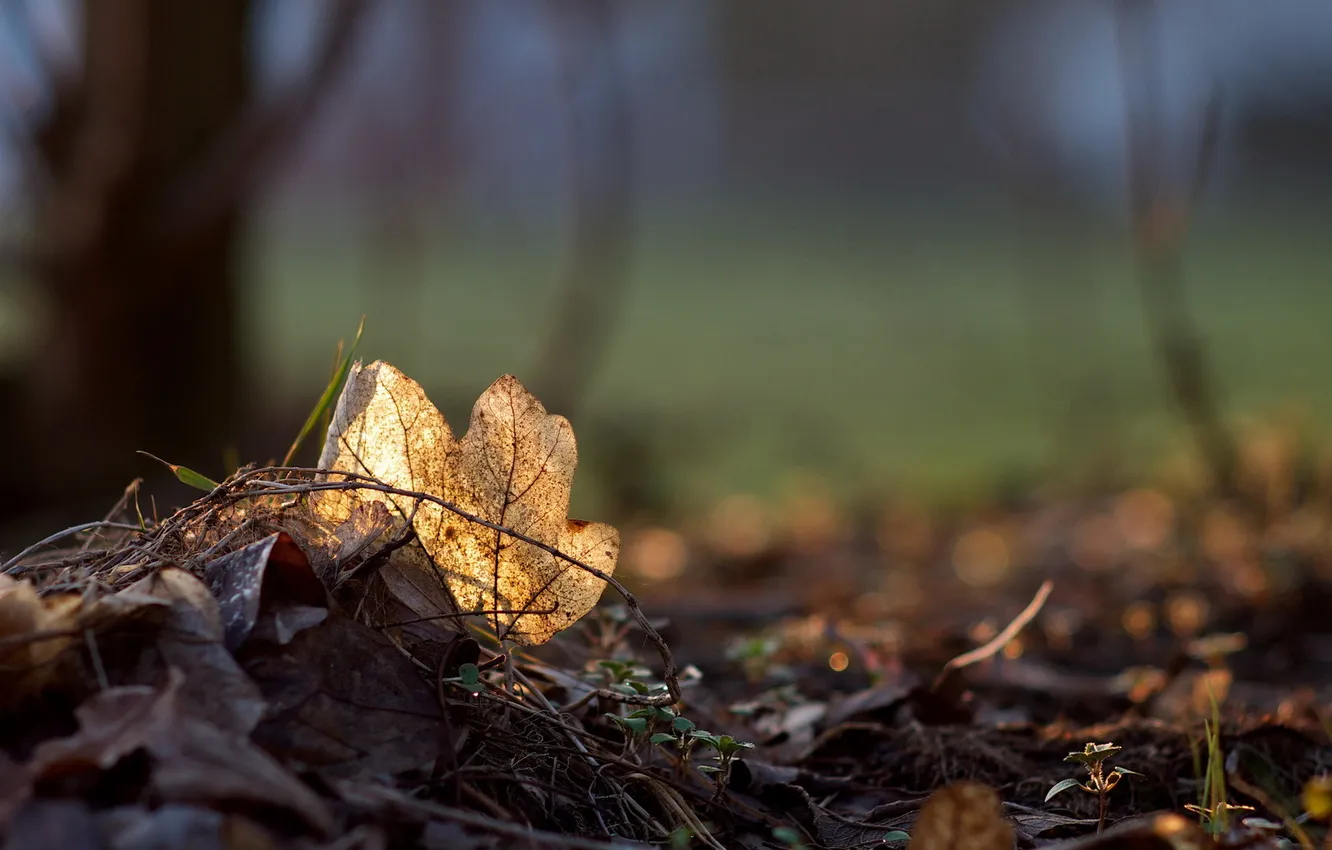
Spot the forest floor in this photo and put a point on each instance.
(230, 676)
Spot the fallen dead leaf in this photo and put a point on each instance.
(344, 700)
(193, 761)
(271, 573)
(964, 816)
(514, 468)
(41, 824)
(191, 640)
(33, 633)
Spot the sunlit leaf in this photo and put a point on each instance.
(513, 468)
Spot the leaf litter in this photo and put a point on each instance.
(404, 648)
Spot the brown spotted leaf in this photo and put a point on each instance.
(513, 468)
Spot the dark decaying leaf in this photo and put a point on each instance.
(190, 640)
(879, 703)
(191, 759)
(1033, 824)
(50, 824)
(343, 699)
(141, 828)
(269, 574)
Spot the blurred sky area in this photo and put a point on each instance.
(855, 224)
(488, 79)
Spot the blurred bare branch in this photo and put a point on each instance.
(1160, 221)
(243, 156)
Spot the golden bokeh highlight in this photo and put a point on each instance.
(656, 554)
(1146, 518)
(1139, 620)
(839, 661)
(1187, 613)
(739, 526)
(983, 631)
(981, 557)
(1013, 649)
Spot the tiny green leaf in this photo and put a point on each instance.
(662, 738)
(682, 724)
(1060, 787)
(895, 835)
(1126, 772)
(786, 835)
(186, 475)
(636, 725)
(469, 673)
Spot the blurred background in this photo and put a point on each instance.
(760, 254)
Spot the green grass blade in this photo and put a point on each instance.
(186, 475)
(330, 396)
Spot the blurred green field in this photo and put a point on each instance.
(932, 352)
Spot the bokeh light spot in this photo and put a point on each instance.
(1187, 613)
(981, 558)
(739, 527)
(1139, 620)
(656, 554)
(1146, 518)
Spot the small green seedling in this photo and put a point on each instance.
(469, 678)
(727, 749)
(1100, 783)
(681, 734)
(625, 677)
(641, 724)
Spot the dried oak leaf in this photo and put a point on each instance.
(513, 468)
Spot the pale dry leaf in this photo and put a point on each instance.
(33, 633)
(964, 816)
(514, 468)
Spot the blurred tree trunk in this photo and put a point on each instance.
(141, 351)
(600, 149)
